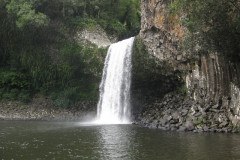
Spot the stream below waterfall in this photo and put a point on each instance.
(29, 140)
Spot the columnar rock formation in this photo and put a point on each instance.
(210, 79)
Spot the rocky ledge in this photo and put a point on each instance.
(177, 112)
(42, 108)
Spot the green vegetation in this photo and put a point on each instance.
(118, 17)
(214, 26)
(198, 121)
(183, 89)
(39, 56)
(150, 77)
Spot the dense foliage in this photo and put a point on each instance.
(38, 55)
(213, 26)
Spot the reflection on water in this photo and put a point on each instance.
(58, 140)
(116, 142)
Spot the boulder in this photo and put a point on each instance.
(189, 125)
(184, 112)
(223, 124)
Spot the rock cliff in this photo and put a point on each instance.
(95, 35)
(210, 80)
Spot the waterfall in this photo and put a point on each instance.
(114, 101)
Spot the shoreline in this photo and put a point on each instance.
(42, 108)
(160, 116)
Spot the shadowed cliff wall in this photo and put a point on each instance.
(210, 79)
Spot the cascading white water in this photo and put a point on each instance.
(114, 101)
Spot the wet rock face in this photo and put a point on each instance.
(210, 80)
(160, 32)
(151, 79)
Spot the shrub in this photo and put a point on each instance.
(25, 96)
(13, 79)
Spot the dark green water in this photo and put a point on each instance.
(62, 140)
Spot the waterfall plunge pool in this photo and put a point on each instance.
(38, 140)
(30, 140)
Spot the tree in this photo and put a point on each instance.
(25, 13)
(212, 25)
(39, 55)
